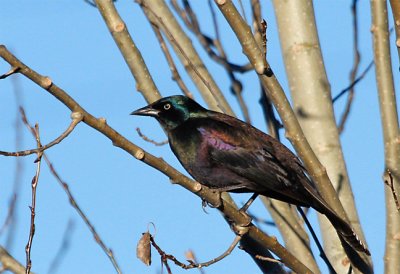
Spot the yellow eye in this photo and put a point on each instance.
(167, 106)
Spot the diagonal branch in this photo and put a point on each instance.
(10, 263)
(354, 70)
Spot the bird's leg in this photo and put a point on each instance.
(244, 209)
(246, 206)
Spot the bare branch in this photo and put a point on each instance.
(159, 13)
(193, 264)
(12, 217)
(65, 244)
(175, 74)
(190, 19)
(358, 79)
(83, 216)
(35, 181)
(320, 248)
(144, 137)
(10, 263)
(191, 256)
(353, 73)
(76, 118)
(390, 126)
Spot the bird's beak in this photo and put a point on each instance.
(146, 111)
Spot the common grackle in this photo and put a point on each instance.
(227, 154)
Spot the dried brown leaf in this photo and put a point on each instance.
(143, 249)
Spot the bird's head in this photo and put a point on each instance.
(171, 111)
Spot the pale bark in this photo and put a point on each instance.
(391, 134)
(312, 103)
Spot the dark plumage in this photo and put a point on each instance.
(227, 154)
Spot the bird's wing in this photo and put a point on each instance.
(254, 161)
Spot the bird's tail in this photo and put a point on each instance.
(345, 231)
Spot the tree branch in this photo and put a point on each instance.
(32, 208)
(76, 118)
(10, 263)
(390, 126)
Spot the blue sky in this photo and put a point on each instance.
(70, 43)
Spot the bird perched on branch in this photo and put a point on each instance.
(224, 153)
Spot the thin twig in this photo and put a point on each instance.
(147, 139)
(11, 219)
(76, 118)
(354, 70)
(388, 179)
(10, 213)
(320, 248)
(175, 74)
(242, 10)
(19, 168)
(260, 257)
(35, 181)
(185, 56)
(189, 18)
(193, 264)
(273, 124)
(10, 72)
(236, 86)
(75, 205)
(358, 79)
(259, 220)
(65, 243)
(191, 256)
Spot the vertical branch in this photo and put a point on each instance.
(35, 181)
(390, 125)
(311, 94)
(175, 74)
(11, 219)
(354, 70)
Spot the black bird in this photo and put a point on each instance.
(227, 154)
